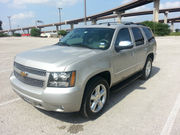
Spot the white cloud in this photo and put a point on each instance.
(137, 9)
(125, 1)
(62, 3)
(23, 3)
(172, 4)
(22, 16)
(4, 1)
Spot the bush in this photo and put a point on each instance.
(62, 32)
(17, 34)
(3, 34)
(159, 29)
(35, 32)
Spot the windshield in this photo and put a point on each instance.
(93, 38)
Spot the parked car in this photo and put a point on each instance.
(76, 74)
(49, 35)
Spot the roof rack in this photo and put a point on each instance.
(116, 23)
(109, 23)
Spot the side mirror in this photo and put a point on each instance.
(124, 45)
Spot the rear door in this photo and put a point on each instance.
(140, 47)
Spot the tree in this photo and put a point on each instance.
(35, 32)
(159, 29)
(0, 25)
(62, 32)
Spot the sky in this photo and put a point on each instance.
(25, 12)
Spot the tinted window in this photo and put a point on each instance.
(148, 34)
(123, 35)
(139, 39)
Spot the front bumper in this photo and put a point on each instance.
(50, 99)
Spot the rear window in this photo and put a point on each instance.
(148, 34)
(139, 39)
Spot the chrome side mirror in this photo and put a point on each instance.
(124, 45)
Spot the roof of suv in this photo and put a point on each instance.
(113, 26)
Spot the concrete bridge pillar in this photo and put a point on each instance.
(57, 28)
(172, 26)
(72, 26)
(156, 11)
(94, 22)
(119, 16)
(166, 17)
(28, 31)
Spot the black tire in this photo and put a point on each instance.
(86, 103)
(146, 76)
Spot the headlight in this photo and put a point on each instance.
(62, 79)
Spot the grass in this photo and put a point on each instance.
(175, 34)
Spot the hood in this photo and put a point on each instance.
(52, 58)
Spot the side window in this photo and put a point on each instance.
(138, 37)
(123, 35)
(148, 34)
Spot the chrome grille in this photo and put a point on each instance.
(30, 69)
(35, 77)
(29, 81)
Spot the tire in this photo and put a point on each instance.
(146, 72)
(95, 98)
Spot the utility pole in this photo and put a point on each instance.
(85, 12)
(9, 18)
(60, 16)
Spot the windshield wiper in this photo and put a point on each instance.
(81, 45)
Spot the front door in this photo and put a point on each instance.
(123, 60)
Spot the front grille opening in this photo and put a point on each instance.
(30, 69)
(29, 81)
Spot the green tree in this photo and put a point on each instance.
(17, 34)
(62, 32)
(3, 34)
(35, 32)
(159, 29)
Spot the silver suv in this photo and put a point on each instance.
(76, 74)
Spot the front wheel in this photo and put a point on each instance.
(95, 97)
(147, 69)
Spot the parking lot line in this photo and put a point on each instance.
(172, 117)
(8, 102)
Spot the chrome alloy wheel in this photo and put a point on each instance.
(98, 98)
(148, 68)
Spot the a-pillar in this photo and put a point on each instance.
(57, 28)
(172, 26)
(94, 22)
(166, 17)
(72, 26)
(156, 11)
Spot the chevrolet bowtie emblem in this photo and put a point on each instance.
(23, 74)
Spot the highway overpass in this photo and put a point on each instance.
(115, 12)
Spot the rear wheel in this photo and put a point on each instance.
(147, 69)
(95, 97)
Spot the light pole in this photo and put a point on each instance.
(85, 12)
(9, 18)
(60, 16)
(38, 21)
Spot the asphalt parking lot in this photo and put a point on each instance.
(143, 108)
